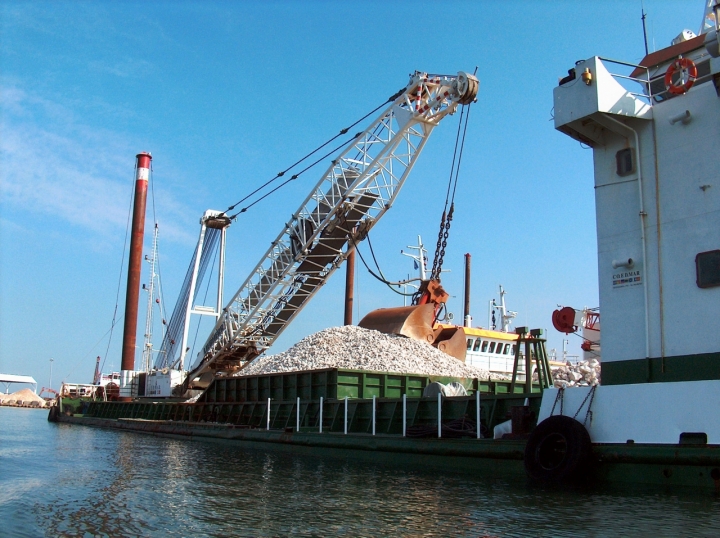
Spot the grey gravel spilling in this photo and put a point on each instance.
(354, 348)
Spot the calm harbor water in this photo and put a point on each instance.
(62, 480)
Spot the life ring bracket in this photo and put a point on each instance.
(688, 72)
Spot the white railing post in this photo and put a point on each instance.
(404, 414)
(297, 417)
(477, 413)
(268, 417)
(346, 407)
(321, 410)
(373, 415)
(439, 415)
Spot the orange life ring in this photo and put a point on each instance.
(685, 66)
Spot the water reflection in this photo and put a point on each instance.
(75, 481)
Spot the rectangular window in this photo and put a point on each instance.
(625, 161)
(507, 349)
(492, 347)
(707, 268)
(485, 346)
(477, 344)
(470, 343)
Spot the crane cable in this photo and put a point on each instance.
(292, 178)
(295, 176)
(447, 215)
(122, 264)
(216, 248)
(160, 295)
(379, 277)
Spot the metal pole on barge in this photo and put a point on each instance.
(467, 320)
(127, 365)
(349, 286)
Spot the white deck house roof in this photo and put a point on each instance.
(10, 378)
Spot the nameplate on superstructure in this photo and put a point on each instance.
(624, 279)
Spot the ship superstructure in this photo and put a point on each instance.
(654, 135)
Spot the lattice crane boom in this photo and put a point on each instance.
(354, 193)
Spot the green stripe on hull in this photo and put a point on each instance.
(699, 367)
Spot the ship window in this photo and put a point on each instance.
(707, 268)
(485, 346)
(625, 161)
(492, 347)
(513, 349)
(470, 343)
(477, 344)
(507, 349)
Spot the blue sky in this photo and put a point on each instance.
(226, 94)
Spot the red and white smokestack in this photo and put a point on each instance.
(127, 365)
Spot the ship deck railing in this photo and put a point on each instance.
(646, 94)
(418, 416)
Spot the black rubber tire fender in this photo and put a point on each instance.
(558, 450)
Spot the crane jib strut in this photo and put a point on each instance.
(357, 189)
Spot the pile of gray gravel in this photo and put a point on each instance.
(354, 348)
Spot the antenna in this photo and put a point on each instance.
(148, 347)
(642, 10)
(420, 257)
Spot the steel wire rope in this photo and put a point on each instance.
(295, 176)
(447, 215)
(177, 319)
(157, 260)
(82, 359)
(584, 339)
(375, 275)
(384, 278)
(435, 272)
(163, 312)
(452, 166)
(156, 254)
(216, 248)
(462, 147)
(122, 264)
(372, 252)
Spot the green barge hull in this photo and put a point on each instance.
(667, 465)
(384, 416)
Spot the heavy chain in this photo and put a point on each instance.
(443, 235)
(439, 245)
(588, 413)
(559, 397)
